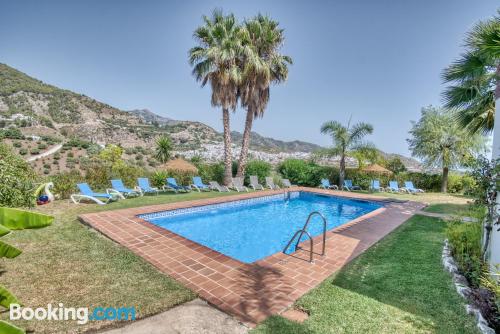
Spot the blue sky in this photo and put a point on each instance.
(377, 61)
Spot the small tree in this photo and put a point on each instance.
(163, 149)
(441, 143)
(395, 165)
(346, 140)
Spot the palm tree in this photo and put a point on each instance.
(216, 60)
(262, 65)
(346, 140)
(475, 78)
(163, 149)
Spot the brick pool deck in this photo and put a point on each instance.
(250, 292)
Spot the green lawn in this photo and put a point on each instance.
(397, 286)
(72, 264)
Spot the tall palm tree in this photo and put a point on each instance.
(262, 66)
(163, 149)
(475, 78)
(216, 60)
(346, 140)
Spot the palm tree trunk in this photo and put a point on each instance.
(242, 163)
(228, 157)
(342, 171)
(444, 181)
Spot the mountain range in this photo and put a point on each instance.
(49, 110)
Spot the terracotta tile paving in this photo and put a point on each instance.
(250, 292)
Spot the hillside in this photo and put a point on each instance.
(58, 116)
(49, 108)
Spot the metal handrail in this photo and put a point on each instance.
(310, 240)
(304, 230)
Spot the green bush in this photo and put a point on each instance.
(17, 144)
(46, 165)
(158, 178)
(70, 155)
(34, 151)
(57, 156)
(306, 173)
(42, 146)
(11, 133)
(16, 180)
(65, 183)
(46, 171)
(23, 151)
(210, 172)
(465, 243)
(259, 168)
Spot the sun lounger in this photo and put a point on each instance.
(270, 183)
(254, 183)
(411, 189)
(393, 186)
(119, 188)
(287, 184)
(348, 185)
(144, 187)
(199, 185)
(214, 185)
(375, 186)
(237, 184)
(172, 184)
(325, 184)
(87, 194)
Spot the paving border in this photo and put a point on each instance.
(250, 292)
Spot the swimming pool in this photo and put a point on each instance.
(251, 229)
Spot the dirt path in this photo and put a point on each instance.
(46, 153)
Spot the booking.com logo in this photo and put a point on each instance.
(81, 314)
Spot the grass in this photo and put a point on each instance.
(397, 286)
(428, 198)
(72, 264)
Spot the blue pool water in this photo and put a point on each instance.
(249, 230)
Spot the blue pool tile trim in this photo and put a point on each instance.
(229, 204)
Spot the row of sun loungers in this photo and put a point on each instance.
(119, 191)
(374, 186)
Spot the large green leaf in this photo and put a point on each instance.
(8, 251)
(6, 328)
(7, 298)
(4, 230)
(16, 219)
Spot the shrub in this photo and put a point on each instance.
(158, 178)
(11, 133)
(209, 172)
(16, 144)
(65, 183)
(306, 173)
(34, 151)
(46, 165)
(57, 156)
(46, 171)
(16, 180)
(70, 155)
(465, 243)
(42, 146)
(259, 168)
(23, 151)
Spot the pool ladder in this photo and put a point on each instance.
(303, 231)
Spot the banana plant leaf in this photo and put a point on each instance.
(6, 328)
(16, 219)
(7, 298)
(8, 251)
(4, 230)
